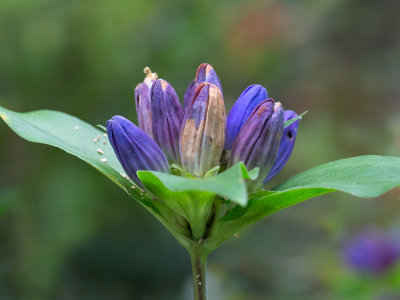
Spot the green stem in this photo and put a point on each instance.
(198, 258)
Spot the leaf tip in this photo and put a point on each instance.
(291, 121)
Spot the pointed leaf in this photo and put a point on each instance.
(229, 184)
(291, 121)
(89, 144)
(69, 134)
(193, 198)
(362, 176)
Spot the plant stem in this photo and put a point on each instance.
(198, 258)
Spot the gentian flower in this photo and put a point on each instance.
(143, 101)
(134, 148)
(167, 116)
(286, 146)
(196, 136)
(203, 130)
(205, 73)
(371, 251)
(241, 110)
(258, 141)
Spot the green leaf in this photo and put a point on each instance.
(69, 134)
(362, 176)
(299, 117)
(213, 171)
(193, 198)
(89, 144)
(229, 184)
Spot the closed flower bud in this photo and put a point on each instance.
(143, 101)
(205, 73)
(135, 150)
(286, 145)
(187, 98)
(203, 130)
(241, 110)
(167, 117)
(257, 143)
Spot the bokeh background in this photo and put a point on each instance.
(67, 232)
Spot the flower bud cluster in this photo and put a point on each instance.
(195, 135)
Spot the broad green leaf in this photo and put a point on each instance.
(69, 134)
(193, 198)
(87, 143)
(362, 176)
(229, 184)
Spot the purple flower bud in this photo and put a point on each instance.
(135, 150)
(187, 98)
(143, 101)
(372, 251)
(167, 116)
(203, 130)
(257, 143)
(286, 146)
(241, 110)
(205, 73)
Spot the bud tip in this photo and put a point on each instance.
(149, 75)
(207, 68)
(164, 84)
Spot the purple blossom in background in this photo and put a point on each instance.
(390, 297)
(371, 251)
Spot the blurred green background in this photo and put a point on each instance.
(67, 232)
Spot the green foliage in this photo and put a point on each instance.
(362, 176)
(229, 184)
(193, 199)
(85, 142)
(213, 208)
(69, 134)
